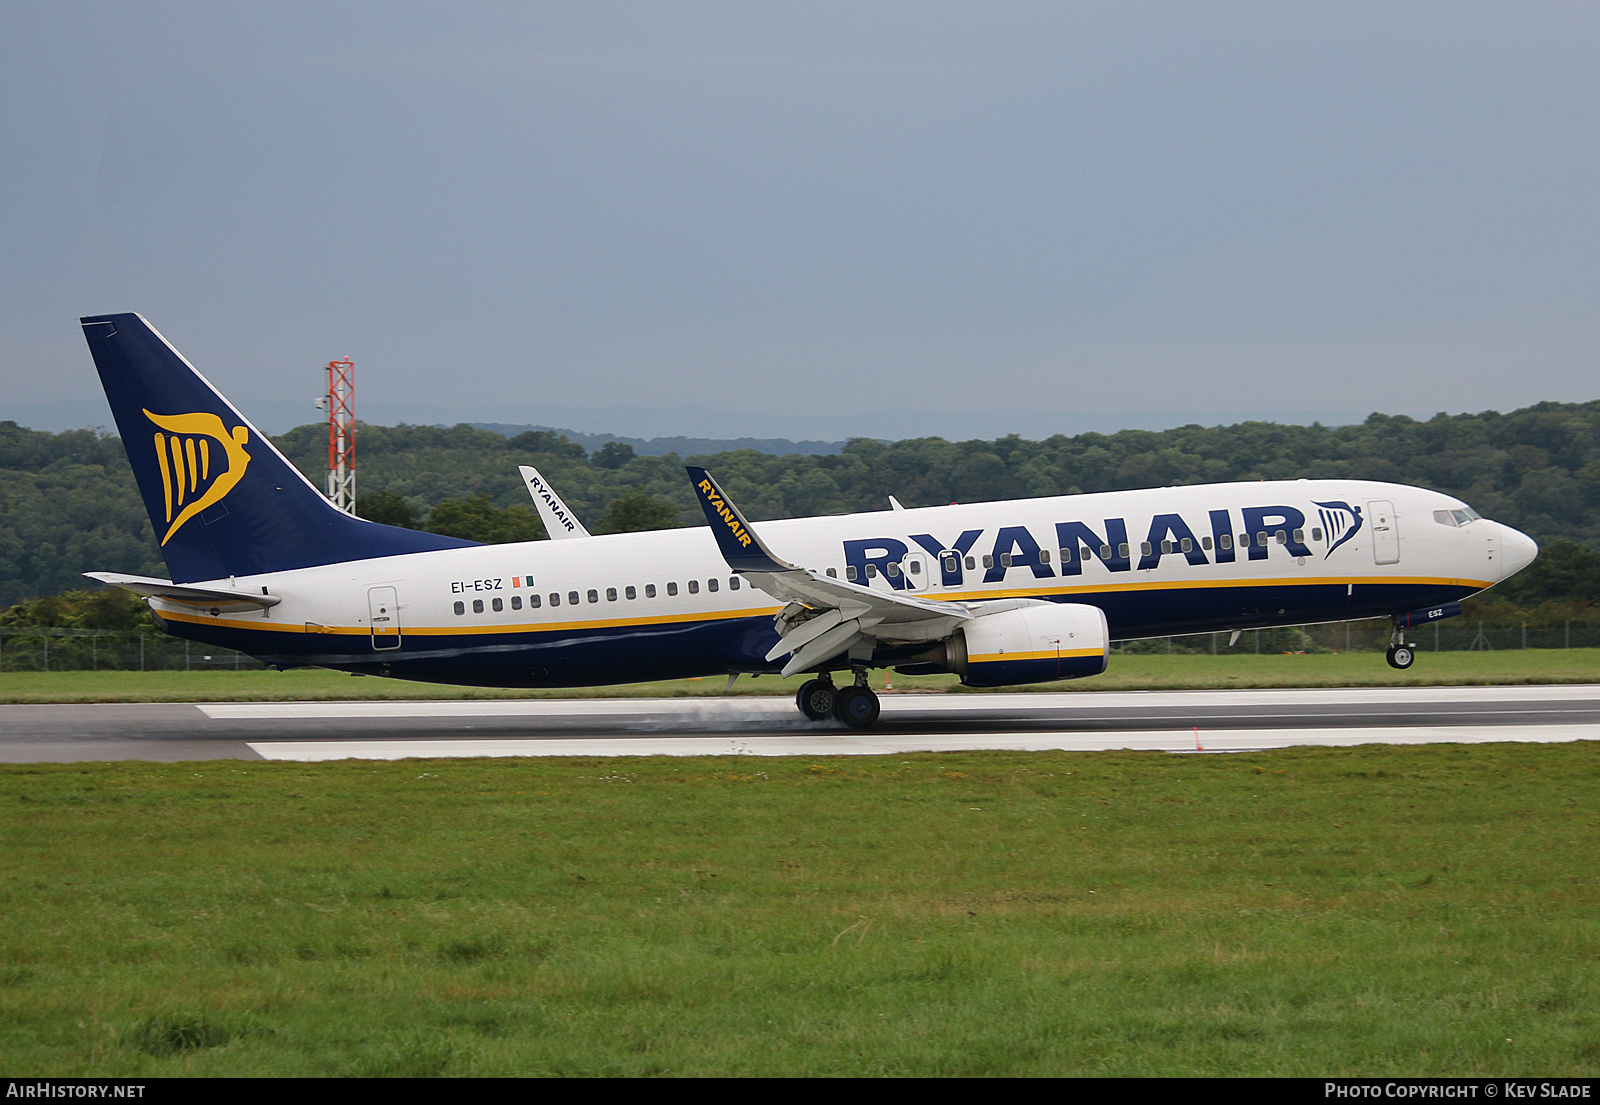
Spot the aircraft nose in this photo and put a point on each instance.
(1517, 551)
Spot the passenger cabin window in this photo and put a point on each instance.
(533, 602)
(555, 599)
(1299, 536)
(951, 564)
(892, 570)
(833, 573)
(1044, 556)
(971, 564)
(1316, 533)
(1005, 560)
(872, 571)
(611, 594)
(498, 605)
(1186, 545)
(1281, 537)
(1122, 551)
(572, 598)
(915, 567)
(516, 602)
(711, 584)
(1205, 542)
(461, 608)
(649, 590)
(672, 589)
(631, 593)
(594, 596)
(694, 586)
(1225, 541)
(477, 606)
(850, 572)
(988, 561)
(1261, 539)
(733, 583)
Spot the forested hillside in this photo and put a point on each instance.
(68, 504)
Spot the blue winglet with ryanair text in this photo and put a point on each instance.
(740, 546)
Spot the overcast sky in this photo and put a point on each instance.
(786, 214)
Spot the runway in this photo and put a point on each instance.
(1171, 721)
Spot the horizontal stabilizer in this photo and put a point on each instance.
(220, 598)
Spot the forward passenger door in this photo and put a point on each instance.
(1385, 532)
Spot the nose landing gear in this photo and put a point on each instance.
(1400, 655)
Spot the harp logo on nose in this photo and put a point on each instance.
(200, 462)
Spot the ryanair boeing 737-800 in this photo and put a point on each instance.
(998, 593)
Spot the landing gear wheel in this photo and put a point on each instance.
(816, 699)
(857, 707)
(1401, 656)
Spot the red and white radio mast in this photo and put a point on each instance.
(340, 401)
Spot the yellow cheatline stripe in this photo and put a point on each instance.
(1050, 654)
(1183, 585)
(475, 629)
(969, 596)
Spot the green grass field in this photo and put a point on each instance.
(1133, 672)
(1374, 911)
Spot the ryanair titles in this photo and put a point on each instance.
(1226, 537)
(721, 509)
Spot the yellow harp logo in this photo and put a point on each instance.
(193, 475)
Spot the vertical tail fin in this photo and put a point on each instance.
(223, 500)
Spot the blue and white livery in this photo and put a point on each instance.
(999, 593)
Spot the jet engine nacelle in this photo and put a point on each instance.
(1031, 644)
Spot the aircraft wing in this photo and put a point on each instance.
(559, 521)
(824, 616)
(202, 597)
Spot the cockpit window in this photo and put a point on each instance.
(1456, 517)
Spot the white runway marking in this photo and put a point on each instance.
(840, 743)
(893, 704)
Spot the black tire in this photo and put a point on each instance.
(857, 707)
(815, 699)
(1401, 657)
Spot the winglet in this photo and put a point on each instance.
(557, 517)
(740, 546)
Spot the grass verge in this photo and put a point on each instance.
(1374, 911)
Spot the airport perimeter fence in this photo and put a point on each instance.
(1452, 635)
(36, 649)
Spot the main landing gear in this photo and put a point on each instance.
(855, 706)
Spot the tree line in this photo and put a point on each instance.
(68, 501)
